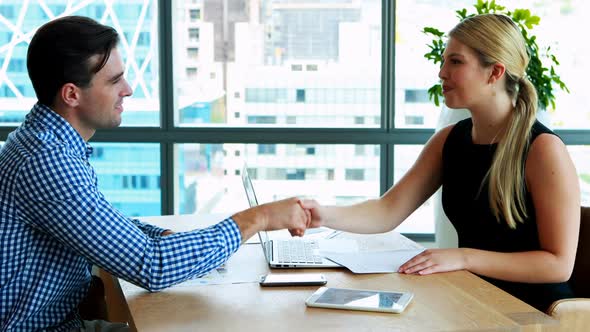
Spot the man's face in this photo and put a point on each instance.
(101, 103)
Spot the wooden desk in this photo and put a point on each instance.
(457, 301)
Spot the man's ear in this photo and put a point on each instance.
(70, 94)
(498, 70)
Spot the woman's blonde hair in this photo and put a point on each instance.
(497, 39)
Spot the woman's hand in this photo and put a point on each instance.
(435, 260)
(317, 217)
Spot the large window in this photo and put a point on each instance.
(299, 63)
(321, 98)
(421, 221)
(209, 180)
(129, 176)
(136, 22)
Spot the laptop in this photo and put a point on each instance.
(287, 253)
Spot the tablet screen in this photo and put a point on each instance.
(359, 298)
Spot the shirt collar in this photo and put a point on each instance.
(62, 129)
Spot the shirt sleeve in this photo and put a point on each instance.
(148, 229)
(57, 194)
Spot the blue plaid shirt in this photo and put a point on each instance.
(54, 224)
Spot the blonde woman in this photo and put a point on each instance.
(509, 185)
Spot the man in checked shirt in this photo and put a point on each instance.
(55, 223)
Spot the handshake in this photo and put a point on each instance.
(293, 214)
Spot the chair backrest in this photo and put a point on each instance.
(580, 280)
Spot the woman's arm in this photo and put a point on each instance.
(553, 183)
(388, 211)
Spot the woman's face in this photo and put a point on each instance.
(465, 82)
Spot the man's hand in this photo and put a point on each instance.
(284, 214)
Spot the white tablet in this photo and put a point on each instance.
(358, 299)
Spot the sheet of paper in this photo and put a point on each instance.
(384, 242)
(373, 262)
(221, 276)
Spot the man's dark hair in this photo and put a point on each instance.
(60, 53)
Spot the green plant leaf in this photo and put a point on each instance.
(462, 14)
(433, 31)
(531, 21)
(521, 15)
(434, 93)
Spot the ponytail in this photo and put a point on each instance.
(507, 189)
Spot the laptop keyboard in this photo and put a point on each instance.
(298, 252)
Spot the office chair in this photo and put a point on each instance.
(574, 314)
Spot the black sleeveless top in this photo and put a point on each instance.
(465, 164)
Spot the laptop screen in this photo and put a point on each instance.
(251, 195)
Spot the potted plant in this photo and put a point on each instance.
(542, 77)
